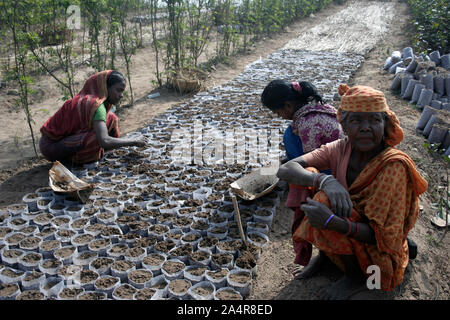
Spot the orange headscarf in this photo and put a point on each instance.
(367, 99)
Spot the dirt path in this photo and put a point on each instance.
(426, 277)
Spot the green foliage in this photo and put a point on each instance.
(431, 20)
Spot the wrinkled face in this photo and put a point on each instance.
(115, 92)
(365, 130)
(287, 112)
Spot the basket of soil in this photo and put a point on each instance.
(10, 257)
(154, 262)
(186, 212)
(52, 286)
(115, 208)
(227, 293)
(81, 241)
(139, 227)
(31, 295)
(192, 238)
(84, 258)
(200, 258)
(179, 288)
(241, 281)
(124, 292)
(70, 293)
(90, 214)
(32, 280)
(9, 291)
(173, 269)
(30, 261)
(50, 266)
(140, 278)
(102, 265)
(228, 246)
(101, 246)
(257, 239)
(195, 274)
(30, 243)
(17, 223)
(203, 290)
(183, 223)
(87, 279)
(181, 252)
(121, 268)
(92, 295)
(65, 254)
(118, 250)
(145, 294)
(208, 244)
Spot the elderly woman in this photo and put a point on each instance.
(84, 126)
(361, 214)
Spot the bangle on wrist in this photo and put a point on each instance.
(326, 223)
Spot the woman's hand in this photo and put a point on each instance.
(317, 213)
(341, 204)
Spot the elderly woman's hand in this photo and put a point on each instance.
(287, 171)
(341, 204)
(317, 213)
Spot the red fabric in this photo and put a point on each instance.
(75, 116)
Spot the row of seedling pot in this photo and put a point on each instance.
(424, 80)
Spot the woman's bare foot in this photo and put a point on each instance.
(311, 268)
(343, 289)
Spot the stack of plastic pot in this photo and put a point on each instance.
(424, 80)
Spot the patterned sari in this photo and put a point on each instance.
(386, 196)
(69, 134)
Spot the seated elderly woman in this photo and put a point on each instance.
(84, 126)
(361, 214)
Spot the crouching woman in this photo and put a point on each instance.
(84, 126)
(361, 214)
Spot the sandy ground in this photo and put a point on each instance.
(426, 276)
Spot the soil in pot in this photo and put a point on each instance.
(228, 294)
(87, 276)
(106, 282)
(51, 264)
(203, 291)
(99, 244)
(199, 256)
(172, 267)
(153, 259)
(125, 291)
(30, 243)
(144, 294)
(191, 237)
(70, 293)
(46, 232)
(83, 239)
(222, 258)
(68, 271)
(92, 296)
(123, 265)
(164, 246)
(79, 223)
(140, 276)
(200, 225)
(119, 249)
(31, 295)
(134, 252)
(240, 277)
(207, 242)
(144, 242)
(229, 245)
(64, 252)
(33, 276)
(5, 231)
(257, 238)
(179, 286)
(181, 251)
(102, 262)
(31, 258)
(197, 271)
(246, 260)
(14, 238)
(6, 290)
(50, 245)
